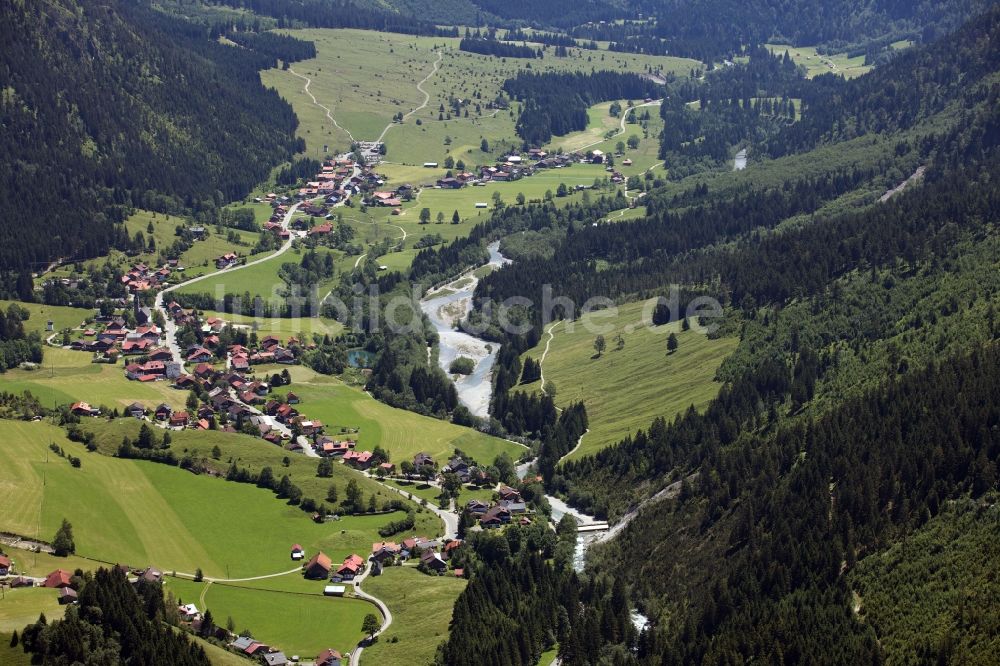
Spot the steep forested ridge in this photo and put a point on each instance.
(93, 123)
(860, 402)
(715, 26)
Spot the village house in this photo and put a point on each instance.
(136, 409)
(432, 560)
(328, 657)
(58, 578)
(351, 567)
(450, 548)
(275, 659)
(385, 551)
(358, 460)
(249, 646)
(4, 565)
(178, 420)
(319, 567)
(495, 517)
(83, 409)
(162, 412)
(422, 459)
(67, 595)
(226, 260)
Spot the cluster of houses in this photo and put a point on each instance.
(142, 278)
(110, 338)
(62, 581)
(269, 656)
(338, 180)
(494, 515)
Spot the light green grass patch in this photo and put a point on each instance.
(301, 327)
(816, 63)
(295, 623)
(21, 606)
(625, 390)
(68, 376)
(61, 316)
(402, 433)
(421, 607)
(145, 513)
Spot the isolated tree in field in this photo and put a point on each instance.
(661, 314)
(449, 162)
(520, 198)
(331, 494)
(633, 142)
(198, 575)
(600, 344)
(192, 401)
(455, 218)
(497, 199)
(686, 326)
(562, 190)
(371, 625)
(353, 501)
(672, 343)
(425, 215)
(63, 541)
(324, 469)
(620, 147)
(619, 342)
(484, 146)
(372, 504)
(216, 452)
(440, 217)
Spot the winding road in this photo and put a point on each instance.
(420, 87)
(329, 112)
(170, 329)
(386, 613)
(621, 128)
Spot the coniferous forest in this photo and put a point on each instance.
(834, 500)
(73, 71)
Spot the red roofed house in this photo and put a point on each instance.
(319, 566)
(328, 657)
(351, 567)
(179, 419)
(58, 578)
(297, 552)
(83, 409)
(4, 565)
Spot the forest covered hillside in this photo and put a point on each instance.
(858, 410)
(93, 124)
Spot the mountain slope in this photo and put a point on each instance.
(108, 105)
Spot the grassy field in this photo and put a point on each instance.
(300, 327)
(817, 64)
(21, 606)
(197, 260)
(296, 623)
(145, 513)
(625, 389)
(15, 656)
(431, 493)
(68, 376)
(366, 78)
(421, 607)
(402, 433)
(61, 316)
(260, 279)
